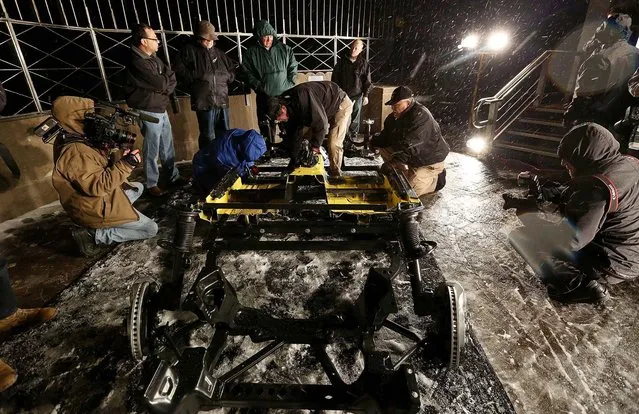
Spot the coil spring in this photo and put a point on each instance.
(184, 230)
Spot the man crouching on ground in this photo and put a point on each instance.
(596, 243)
(90, 184)
(412, 142)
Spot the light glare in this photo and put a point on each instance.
(477, 144)
(470, 42)
(498, 41)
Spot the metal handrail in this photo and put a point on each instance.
(508, 89)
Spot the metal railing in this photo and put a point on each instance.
(497, 113)
(49, 47)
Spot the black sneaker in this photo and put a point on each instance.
(85, 242)
(587, 292)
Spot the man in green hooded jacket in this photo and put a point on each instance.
(269, 67)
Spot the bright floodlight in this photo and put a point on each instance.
(470, 42)
(498, 41)
(477, 144)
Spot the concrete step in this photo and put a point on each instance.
(550, 123)
(530, 149)
(536, 135)
(553, 109)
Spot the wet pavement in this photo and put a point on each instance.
(526, 352)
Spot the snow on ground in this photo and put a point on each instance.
(550, 358)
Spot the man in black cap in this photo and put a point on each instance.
(310, 111)
(207, 72)
(412, 142)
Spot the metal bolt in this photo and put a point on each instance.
(353, 230)
(414, 394)
(307, 231)
(410, 371)
(262, 231)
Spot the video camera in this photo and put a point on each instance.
(100, 130)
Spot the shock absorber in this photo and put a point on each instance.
(413, 250)
(410, 234)
(171, 290)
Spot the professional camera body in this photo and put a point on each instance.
(103, 132)
(105, 129)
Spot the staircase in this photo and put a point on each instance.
(524, 119)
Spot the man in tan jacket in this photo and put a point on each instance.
(90, 184)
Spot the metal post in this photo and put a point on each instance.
(492, 119)
(541, 84)
(368, 48)
(334, 51)
(165, 48)
(476, 89)
(98, 55)
(239, 44)
(23, 62)
(35, 10)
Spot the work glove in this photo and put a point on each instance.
(365, 101)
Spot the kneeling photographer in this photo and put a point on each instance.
(597, 240)
(92, 186)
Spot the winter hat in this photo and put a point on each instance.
(402, 92)
(588, 147)
(264, 28)
(206, 30)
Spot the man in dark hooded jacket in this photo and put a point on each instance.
(601, 92)
(597, 241)
(270, 69)
(207, 72)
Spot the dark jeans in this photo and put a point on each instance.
(213, 123)
(353, 129)
(8, 301)
(267, 127)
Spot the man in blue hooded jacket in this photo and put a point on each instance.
(237, 149)
(270, 68)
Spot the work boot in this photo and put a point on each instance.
(85, 241)
(589, 291)
(24, 318)
(8, 376)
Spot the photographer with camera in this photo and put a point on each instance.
(149, 84)
(597, 240)
(90, 183)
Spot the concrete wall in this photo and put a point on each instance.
(35, 159)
